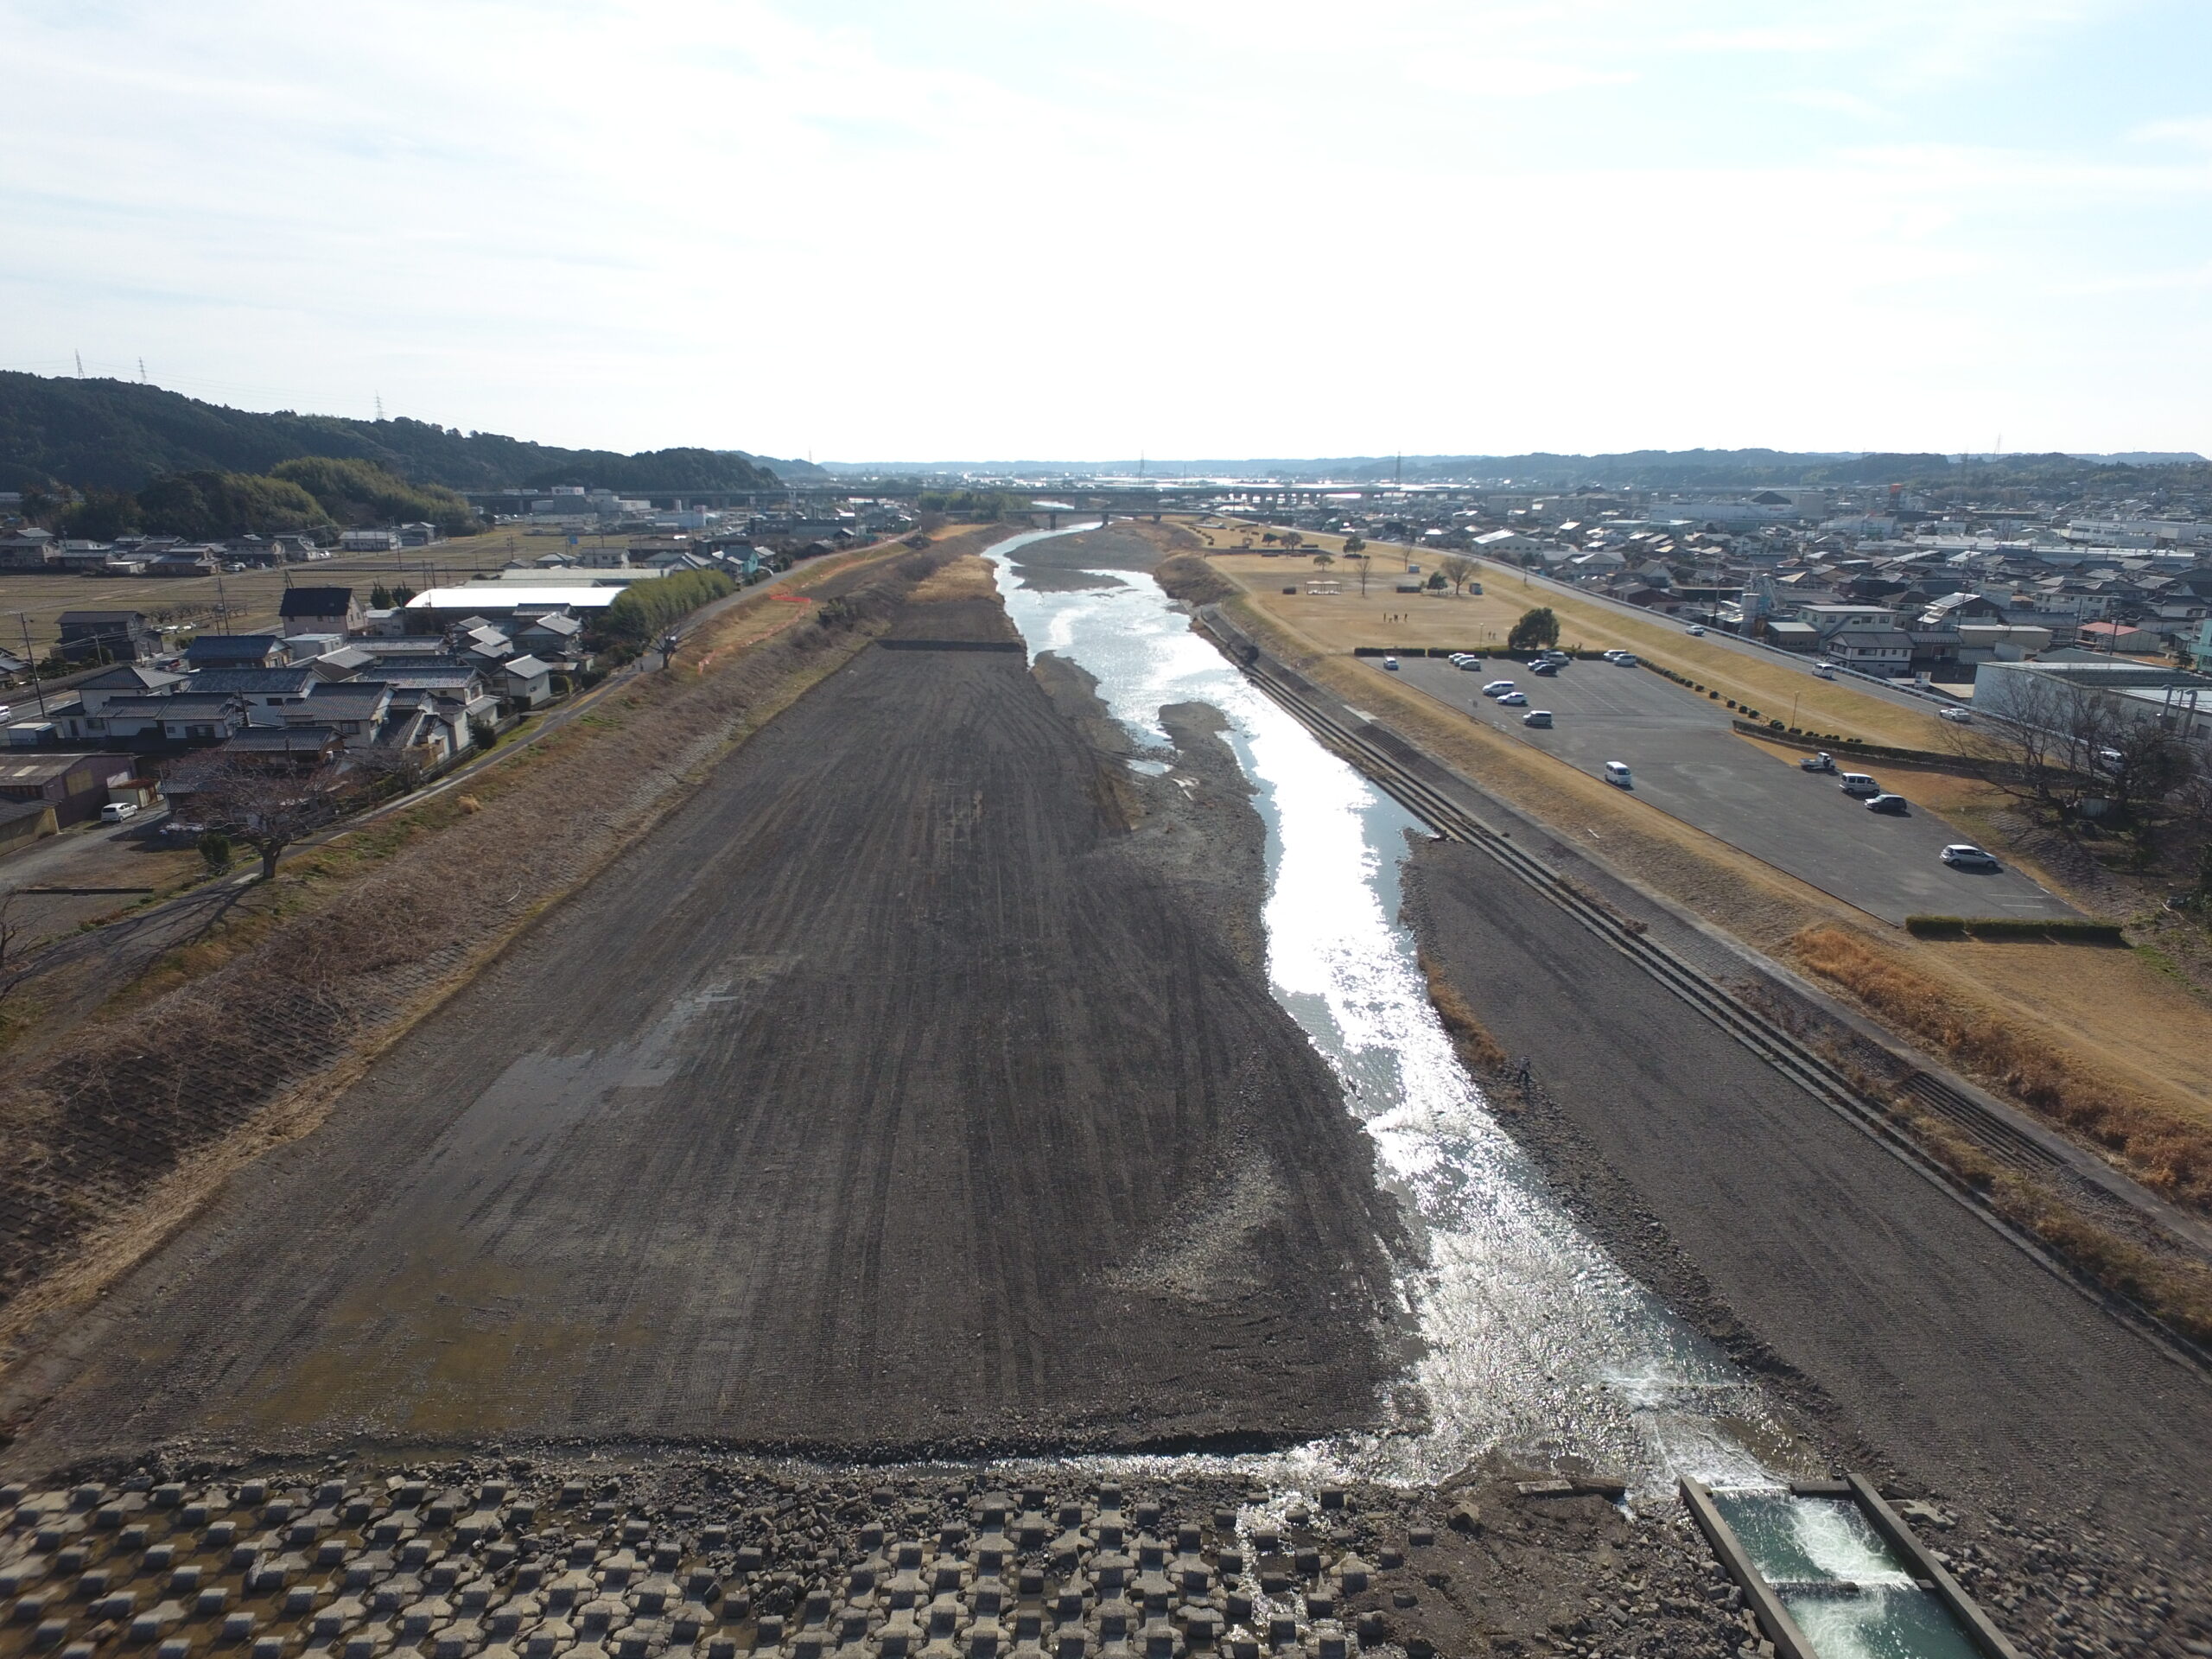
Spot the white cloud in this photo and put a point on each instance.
(637, 222)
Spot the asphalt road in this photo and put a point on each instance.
(1686, 761)
(883, 1099)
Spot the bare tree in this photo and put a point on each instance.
(13, 972)
(1363, 560)
(1457, 571)
(2077, 753)
(269, 805)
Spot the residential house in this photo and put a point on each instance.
(28, 550)
(369, 541)
(107, 636)
(237, 651)
(301, 748)
(186, 563)
(319, 610)
(529, 682)
(268, 692)
(347, 662)
(454, 693)
(1884, 651)
(2121, 638)
(129, 680)
(74, 786)
(355, 710)
(556, 636)
(182, 717)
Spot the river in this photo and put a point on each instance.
(1536, 1344)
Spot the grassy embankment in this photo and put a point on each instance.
(245, 1040)
(2096, 1041)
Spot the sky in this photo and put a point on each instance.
(1071, 229)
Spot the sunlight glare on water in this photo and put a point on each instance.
(1535, 1342)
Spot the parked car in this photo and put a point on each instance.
(1547, 668)
(1498, 687)
(1626, 658)
(1469, 664)
(1956, 716)
(1537, 717)
(1964, 855)
(1513, 699)
(1895, 805)
(1390, 662)
(118, 812)
(1616, 773)
(1821, 762)
(1823, 671)
(1858, 783)
(1697, 627)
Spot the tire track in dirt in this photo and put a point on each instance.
(834, 1115)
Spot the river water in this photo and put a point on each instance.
(1535, 1342)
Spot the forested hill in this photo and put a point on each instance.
(116, 435)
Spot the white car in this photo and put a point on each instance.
(1696, 627)
(1625, 659)
(118, 812)
(1822, 671)
(1498, 687)
(1512, 700)
(1390, 662)
(1537, 717)
(1965, 856)
(1956, 716)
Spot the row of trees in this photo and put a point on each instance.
(313, 496)
(1454, 573)
(646, 608)
(986, 506)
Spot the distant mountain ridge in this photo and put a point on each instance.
(117, 435)
(1660, 469)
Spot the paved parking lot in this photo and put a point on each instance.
(1688, 762)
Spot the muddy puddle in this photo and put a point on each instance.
(1538, 1346)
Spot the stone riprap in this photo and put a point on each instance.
(474, 1565)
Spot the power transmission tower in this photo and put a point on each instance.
(379, 405)
(142, 371)
(80, 364)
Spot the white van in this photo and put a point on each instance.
(1616, 773)
(1858, 783)
(1537, 717)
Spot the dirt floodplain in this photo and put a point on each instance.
(909, 1090)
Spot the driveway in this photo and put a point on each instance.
(1688, 761)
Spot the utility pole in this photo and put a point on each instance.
(30, 656)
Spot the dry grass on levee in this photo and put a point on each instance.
(2114, 1074)
(1484, 621)
(968, 576)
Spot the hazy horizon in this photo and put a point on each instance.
(1122, 225)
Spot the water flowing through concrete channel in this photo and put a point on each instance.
(1536, 1344)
